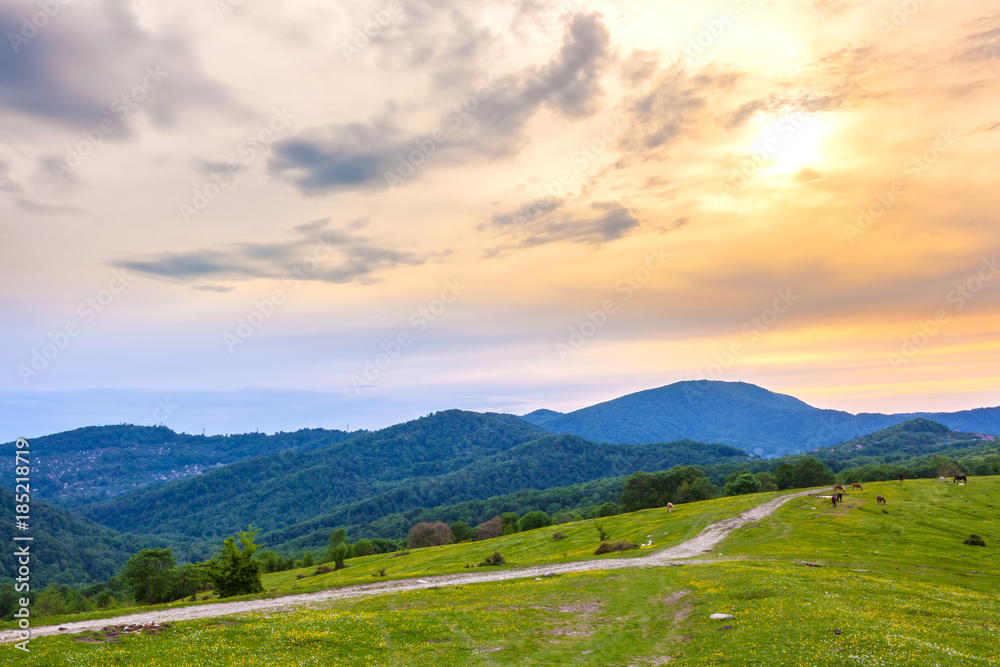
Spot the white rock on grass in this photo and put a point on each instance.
(721, 617)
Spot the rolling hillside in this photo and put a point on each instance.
(95, 462)
(66, 549)
(739, 414)
(444, 458)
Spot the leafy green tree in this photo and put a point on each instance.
(150, 574)
(783, 476)
(269, 561)
(767, 482)
(190, 578)
(640, 492)
(362, 548)
(233, 570)
(338, 555)
(532, 520)
(740, 483)
(701, 489)
(509, 520)
(308, 560)
(462, 531)
(609, 508)
(810, 471)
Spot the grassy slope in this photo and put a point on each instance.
(926, 600)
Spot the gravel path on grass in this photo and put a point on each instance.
(681, 554)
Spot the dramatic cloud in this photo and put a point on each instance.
(84, 65)
(316, 253)
(537, 224)
(667, 103)
(488, 121)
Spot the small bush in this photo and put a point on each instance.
(558, 536)
(610, 547)
(400, 553)
(600, 530)
(380, 573)
(975, 540)
(323, 569)
(493, 561)
(301, 576)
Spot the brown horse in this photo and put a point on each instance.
(833, 498)
(857, 487)
(839, 487)
(879, 500)
(960, 478)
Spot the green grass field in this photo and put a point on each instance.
(884, 589)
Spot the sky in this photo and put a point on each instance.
(236, 215)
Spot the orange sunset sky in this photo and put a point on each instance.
(518, 204)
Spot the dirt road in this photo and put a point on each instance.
(682, 553)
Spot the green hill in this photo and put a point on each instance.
(283, 489)
(739, 414)
(444, 458)
(548, 462)
(95, 462)
(66, 549)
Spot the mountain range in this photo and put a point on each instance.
(739, 414)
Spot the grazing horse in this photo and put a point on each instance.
(960, 478)
(857, 487)
(834, 499)
(840, 497)
(879, 500)
(839, 487)
(670, 508)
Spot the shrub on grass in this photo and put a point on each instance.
(323, 569)
(975, 540)
(492, 561)
(610, 547)
(558, 536)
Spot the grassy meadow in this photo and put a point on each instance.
(809, 585)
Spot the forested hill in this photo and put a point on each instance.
(282, 489)
(550, 461)
(739, 414)
(66, 549)
(79, 466)
(916, 437)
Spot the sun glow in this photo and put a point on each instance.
(790, 143)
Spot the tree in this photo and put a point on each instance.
(783, 476)
(490, 529)
(462, 531)
(810, 471)
(150, 575)
(640, 492)
(767, 482)
(338, 555)
(308, 560)
(362, 548)
(190, 579)
(740, 483)
(701, 489)
(609, 508)
(509, 520)
(532, 520)
(427, 534)
(233, 570)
